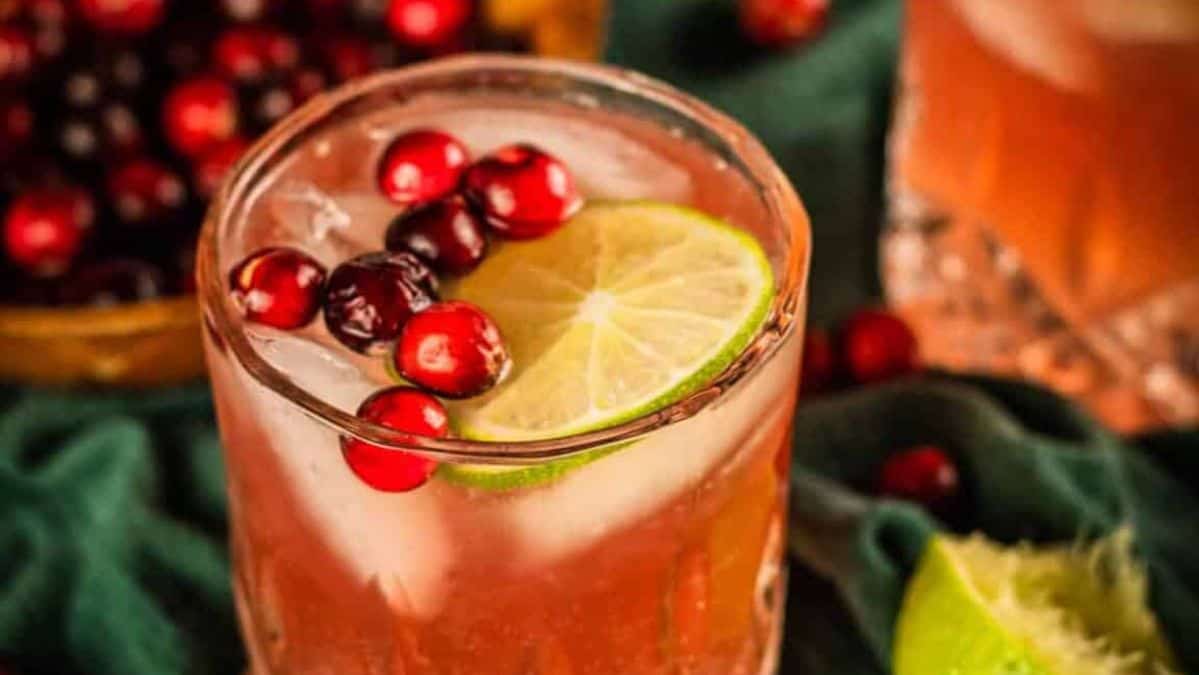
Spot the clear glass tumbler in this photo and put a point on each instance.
(665, 556)
(1044, 219)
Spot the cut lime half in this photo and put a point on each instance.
(628, 307)
(977, 608)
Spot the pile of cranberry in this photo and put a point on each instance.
(386, 302)
(118, 119)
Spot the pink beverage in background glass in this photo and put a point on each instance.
(663, 556)
(1044, 215)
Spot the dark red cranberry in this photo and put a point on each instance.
(212, 166)
(371, 297)
(252, 53)
(348, 57)
(447, 234)
(128, 17)
(98, 136)
(305, 83)
(263, 104)
(112, 282)
(876, 346)
(522, 191)
(428, 23)
(144, 191)
(16, 127)
(453, 349)
(820, 367)
(46, 12)
(199, 113)
(45, 228)
(16, 53)
(279, 287)
(404, 409)
(421, 166)
(781, 23)
(925, 475)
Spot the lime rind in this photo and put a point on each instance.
(975, 607)
(701, 240)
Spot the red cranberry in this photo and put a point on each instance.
(45, 228)
(427, 23)
(453, 349)
(523, 192)
(819, 362)
(876, 346)
(199, 113)
(16, 53)
(925, 475)
(781, 23)
(447, 234)
(212, 166)
(143, 191)
(46, 12)
(403, 409)
(113, 282)
(123, 16)
(421, 166)
(279, 287)
(251, 53)
(371, 297)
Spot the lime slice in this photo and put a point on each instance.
(628, 307)
(975, 607)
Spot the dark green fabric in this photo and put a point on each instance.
(1033, 468)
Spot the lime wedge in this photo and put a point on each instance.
(977, 608)
(628, 307)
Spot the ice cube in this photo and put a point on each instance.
(1142, 20)
(330, 226)
(328, 372)
(1035, 36)
(398, 542)
(613, 493)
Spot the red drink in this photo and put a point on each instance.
(665, 556)
(1043, 165)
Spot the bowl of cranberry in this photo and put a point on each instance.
(118, 120)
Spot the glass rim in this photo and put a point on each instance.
(784, 206)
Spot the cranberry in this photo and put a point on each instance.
(212, 166)
(427, 23)
(16, 53)
(447, 234)
(200, 113)
(262, 104)
(98, 136)
(123, 16)
(143, 191)
(403, 409)
(819, 362)
(248, 10)
(112, 282)
(781, 23)
(45, 228)
(522, 191)
(16, 127)
(371, 297)
(348, 58)
(924, 474)
(421, 166)
(46, 12)
(453, 349)
(305, 83)
(877, 346)
(246, 53)
(278, 287)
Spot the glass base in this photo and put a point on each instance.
(975, 308)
